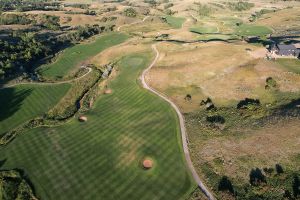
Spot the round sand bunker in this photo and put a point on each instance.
(147, 164)
(108, 91)
(82, 118)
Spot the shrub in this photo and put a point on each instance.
(257, 177)
(296, 186)
(248, 103)
(215, 119)
(188, 97)
(270, 83)
(225, 185)
(9, 19)
(279, 169)
(240, 6)
(130, 12)
(204, 10)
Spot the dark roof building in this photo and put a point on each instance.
(285, 50)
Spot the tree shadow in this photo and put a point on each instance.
(2, 162)
(11, 100)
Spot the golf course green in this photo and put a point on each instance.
(102, 157)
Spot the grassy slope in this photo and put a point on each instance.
(292, 65)
(175, 22)
(76, 54)
(101, 159)
(204, 29)
(252, 30)
(24, 102)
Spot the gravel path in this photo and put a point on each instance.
(119, 28)
(182, 127)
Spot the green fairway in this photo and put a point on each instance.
(76, 54)
(252, 30)
(101, 158)
(175, 22)
(292, 65)
(22, 103)
(204, 29)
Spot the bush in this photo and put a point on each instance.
(270, 83)
(240, 6)
(279, 169)
(188, 97)
(248, 103)
(257, 177)
(204, 10)
(9, 19)
(130, 12)
(296, 186)
(225, 185)
(215, 119)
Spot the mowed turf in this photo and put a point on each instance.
(292, 65)
(101, 158)
(204, 29)
(24, 102)
(252, 30)
(78, 53)
(175, 22)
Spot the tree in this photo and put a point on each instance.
(257, 177)
(296, 186)
(225, 185)
(188, 97)
(130, 12)
(279, 169)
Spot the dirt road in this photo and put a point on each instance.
(182, 127)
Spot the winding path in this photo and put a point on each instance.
(119, 28)
(49, 83)
(182, 127)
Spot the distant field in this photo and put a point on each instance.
(79, 53)
(292, 65)
(252, 30)
(101, 158)
(24, 102)
(204, 29)
(175, 22)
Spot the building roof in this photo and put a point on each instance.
(286, 47)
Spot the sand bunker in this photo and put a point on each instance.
(82, 118)
(108, 91)
(147, 164)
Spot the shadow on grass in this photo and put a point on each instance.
(11, 101)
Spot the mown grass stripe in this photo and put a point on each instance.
(101, 159)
